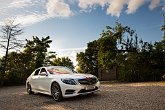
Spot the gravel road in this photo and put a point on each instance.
(115, 96)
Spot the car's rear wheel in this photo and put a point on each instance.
(29, 89)
(56, 92)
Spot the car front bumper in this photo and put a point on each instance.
(75, 90)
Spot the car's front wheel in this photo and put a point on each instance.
(56, 92)
(29, 89)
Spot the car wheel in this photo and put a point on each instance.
(29, 89)
(56, 92)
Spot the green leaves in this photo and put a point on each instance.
(21, 65)
(88, 62)
(118, 47)
(10, 32)
(63, 61)
(37, 49)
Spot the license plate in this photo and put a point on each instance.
(90, 87)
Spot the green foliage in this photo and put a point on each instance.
(143, 66)
(36, 49)
(82, 65)
(9, 41)
(49, 58)
(17, 68)
(88, 62)
(20, 65)
(64, 61)
(119, 48)
(113, 46)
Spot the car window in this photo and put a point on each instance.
(36, 72)
(60, 70)
(43, 70)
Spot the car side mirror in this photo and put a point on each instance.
(43, 74)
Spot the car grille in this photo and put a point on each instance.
(88, 81)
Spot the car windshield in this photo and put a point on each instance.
(59, 70)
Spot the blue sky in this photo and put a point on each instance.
(71, 24)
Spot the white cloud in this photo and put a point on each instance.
(163, 8)
(115, 7)
(30, 15)
(103, 2)
(1, 23)
(57, 8)
(20, 3)
(4, 4)
(154, 4)
(85, 4)
(54, 8)
(133, 5)
(30, 19)
(32, 11)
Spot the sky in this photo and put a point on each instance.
(71, 24)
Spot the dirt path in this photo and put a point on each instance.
(130, 96)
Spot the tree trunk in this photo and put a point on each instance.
(117, 74)
(6, 55)
(2, 77)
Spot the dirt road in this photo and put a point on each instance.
(116, 96)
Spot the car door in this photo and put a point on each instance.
(34, 79)
(44, 80)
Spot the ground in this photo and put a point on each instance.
(112, 96)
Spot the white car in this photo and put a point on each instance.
(61, 82)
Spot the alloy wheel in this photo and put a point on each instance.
(56, 92)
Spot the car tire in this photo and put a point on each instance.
(29, 89)
(56, 92)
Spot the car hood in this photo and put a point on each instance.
(75, 76)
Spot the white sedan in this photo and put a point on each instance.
(61, 82)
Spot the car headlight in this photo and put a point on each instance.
(69, 81)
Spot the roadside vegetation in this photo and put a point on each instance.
(16, 65)
(118, 47)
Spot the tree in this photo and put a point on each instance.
(113, 46)
(63, 61)
(163, 43)
(91, 54)
(108, 51)
(17, 69)
(82, 62)
(163, 27)
(0, 68)
(49, 58)
(36, 49)
(87, 61)
(10, 32)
